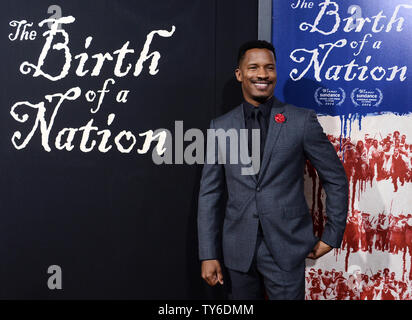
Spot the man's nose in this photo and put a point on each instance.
(262, 73)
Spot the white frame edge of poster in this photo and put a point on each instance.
(265, 20)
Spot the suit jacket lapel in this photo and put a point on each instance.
(272, 135)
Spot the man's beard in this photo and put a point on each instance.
(262, 99)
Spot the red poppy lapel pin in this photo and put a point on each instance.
(280, 118)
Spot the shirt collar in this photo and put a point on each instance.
(263, 107)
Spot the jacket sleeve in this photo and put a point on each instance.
(212, 189)
(332, 175)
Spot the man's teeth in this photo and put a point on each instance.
(261, 85)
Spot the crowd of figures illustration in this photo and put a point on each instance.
(366, 161)
(333, 285)
(385, 158)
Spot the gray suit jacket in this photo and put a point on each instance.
(275, 197)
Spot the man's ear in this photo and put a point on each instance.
(238, 75)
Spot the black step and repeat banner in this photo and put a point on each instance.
(86, 210)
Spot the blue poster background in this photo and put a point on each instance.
(355, 98)
(352, 61)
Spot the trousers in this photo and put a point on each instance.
(266, 279)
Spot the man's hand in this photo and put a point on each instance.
(212, 272)
(319, 250)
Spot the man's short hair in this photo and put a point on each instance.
(254, 44)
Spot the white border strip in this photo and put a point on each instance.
(265, 20)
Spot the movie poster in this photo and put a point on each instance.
(351, 62)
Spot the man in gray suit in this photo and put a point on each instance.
(267, 229)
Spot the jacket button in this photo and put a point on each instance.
(257, 189)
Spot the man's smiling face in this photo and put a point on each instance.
(257, 73)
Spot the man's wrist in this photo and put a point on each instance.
(326, 243)
(201, 260)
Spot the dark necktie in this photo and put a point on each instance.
(257, 121)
